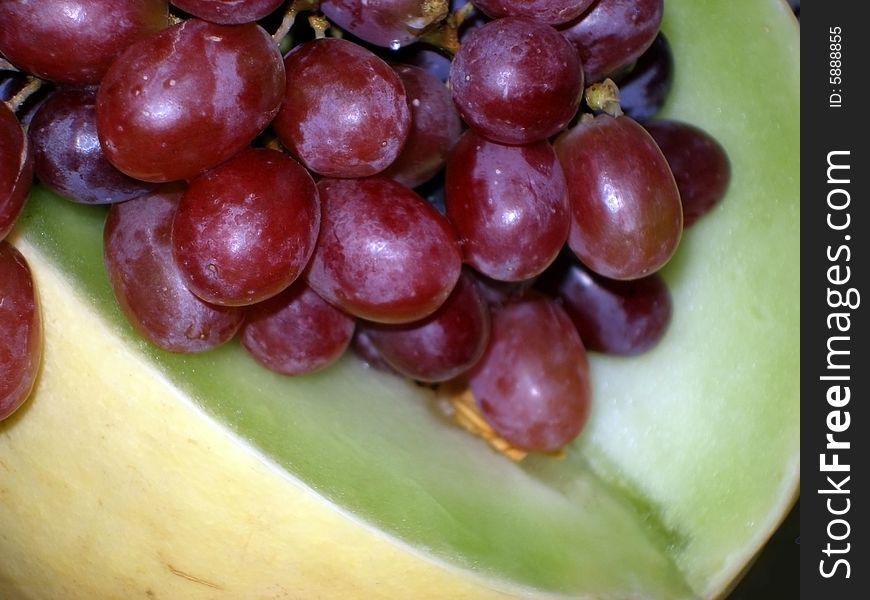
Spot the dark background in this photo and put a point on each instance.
(825, 129)
(775, 573)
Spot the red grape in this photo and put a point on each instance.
(626, 214)
(699, 163)
(532, 384)
(516, 81)
(387, 23)
(75, 41)
(345, 113)
(20, 330)
(229, 12)
(613, 34)
(188, 98)
(16, 169)
(551, 12)
(443, 345)
(435, 127)
(384, 254)
(623, 318)
(509, 205)
(137, 251)
(67, 153)
(296, 332)
(245, 229)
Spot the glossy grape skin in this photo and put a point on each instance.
(622, 318)
(188, 98)
(435, 127)
(644, 90)
(532, 384)
(75, 41)
(551, 12)
(443, 345)
(626, 214)
(296, 332)
(20, 330)
(613, 34)
(16, 169)
(67, 154)
(387, 23)
(137, 252)
(384, 254)
(496, 79)
(229, 12)
(509, 205)
(700, 165)
(345, 112)
(245, 230)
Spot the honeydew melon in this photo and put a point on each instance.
(133, 473)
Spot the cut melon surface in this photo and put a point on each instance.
(137, 473)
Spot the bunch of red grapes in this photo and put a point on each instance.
(272, 197)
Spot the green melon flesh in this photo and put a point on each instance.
(691, 455)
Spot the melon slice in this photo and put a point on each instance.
(136, 473)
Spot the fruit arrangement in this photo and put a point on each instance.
(654, 499)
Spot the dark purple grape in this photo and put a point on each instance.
(644, 89)
(345, 113)
(296, 332)
(245, 230)
(188, 98)
(443, 345)
(435, 127)
(16, 169)
(532, 384)
(384, 254)
(624, 318)
(700, 165)
(551, 12)
(137, 251)
(229, 12)
(626, 214)
(497, 76)
(509, 205)
(67, 153)
(20, 330)
(75, 41)
(388, 23)
(430, 61)
(613, 34)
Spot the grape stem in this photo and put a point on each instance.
(31, 87)
(604, 96)
(319, 24)
(293, 9)
(445, 35)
